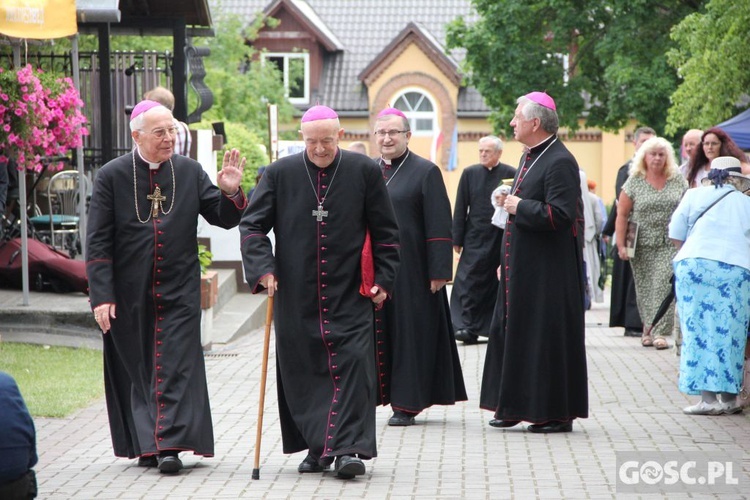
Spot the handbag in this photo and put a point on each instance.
(743, 398)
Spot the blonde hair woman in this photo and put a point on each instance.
(648, 198)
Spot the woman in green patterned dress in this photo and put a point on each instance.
(648, 197)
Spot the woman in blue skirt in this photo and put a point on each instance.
(711, 229)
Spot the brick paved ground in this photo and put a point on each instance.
(450, 453)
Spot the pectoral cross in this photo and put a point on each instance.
(156, 200)
(319, 213)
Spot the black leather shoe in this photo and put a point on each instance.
(467, 337)
(148, 461)
(503, 423)
(312, 464)
(551, 426)
(401, 419)
(170, 464)
(348, 466)
(629, 332)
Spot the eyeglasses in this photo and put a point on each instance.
(159, 133)
(389, 133)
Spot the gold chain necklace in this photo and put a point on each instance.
(155, 203)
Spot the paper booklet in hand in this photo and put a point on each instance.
(631, 238)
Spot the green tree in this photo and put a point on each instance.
(616, 68)
(241, 84)
(712, 57)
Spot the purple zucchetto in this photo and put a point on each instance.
(543, 99)
(142, 107)
(391, 111)
(319, 113)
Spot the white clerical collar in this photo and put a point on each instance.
(151, 165)
(541, 142)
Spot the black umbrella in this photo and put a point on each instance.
(663, 307)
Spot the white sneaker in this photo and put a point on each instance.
(730, 407)
(703, 408)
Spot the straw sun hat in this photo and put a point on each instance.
(727, 169)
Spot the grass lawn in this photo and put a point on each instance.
(54, 381)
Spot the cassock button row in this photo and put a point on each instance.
(158, 393)
(323, 285)
(327, 332)
(323, 186)
(323, 236)
(334, 366)
(325, 321)
(160, 380)
(158, 342)
(325, 310)
(159, 232)
(158, 355)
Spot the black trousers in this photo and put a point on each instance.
(23, 488)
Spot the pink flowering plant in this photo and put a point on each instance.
(40, 116)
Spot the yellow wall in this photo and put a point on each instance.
(599, 154)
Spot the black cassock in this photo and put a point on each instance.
(417, 357)
(324, 337)
(535, 366)
(475, 285)
(623, 309)
(154, 374)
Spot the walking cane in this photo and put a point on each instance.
(261, 403)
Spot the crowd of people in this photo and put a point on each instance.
(363, 250)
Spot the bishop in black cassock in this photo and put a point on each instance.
(623, 309)
(477, 241)
(535, 367)
(320, 205)
(418, 362)
(144, 279)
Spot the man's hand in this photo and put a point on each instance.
(269, 281)
(436, 285)
(230, 175)
(511, 204)
(377, 295)
(102, 315)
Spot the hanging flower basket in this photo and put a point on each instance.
(40, 116)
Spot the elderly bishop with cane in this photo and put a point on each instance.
(321, 203)
(144, 279)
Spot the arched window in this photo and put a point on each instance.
(419, 108)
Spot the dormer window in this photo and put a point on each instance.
(420, 111)
(295, 70)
